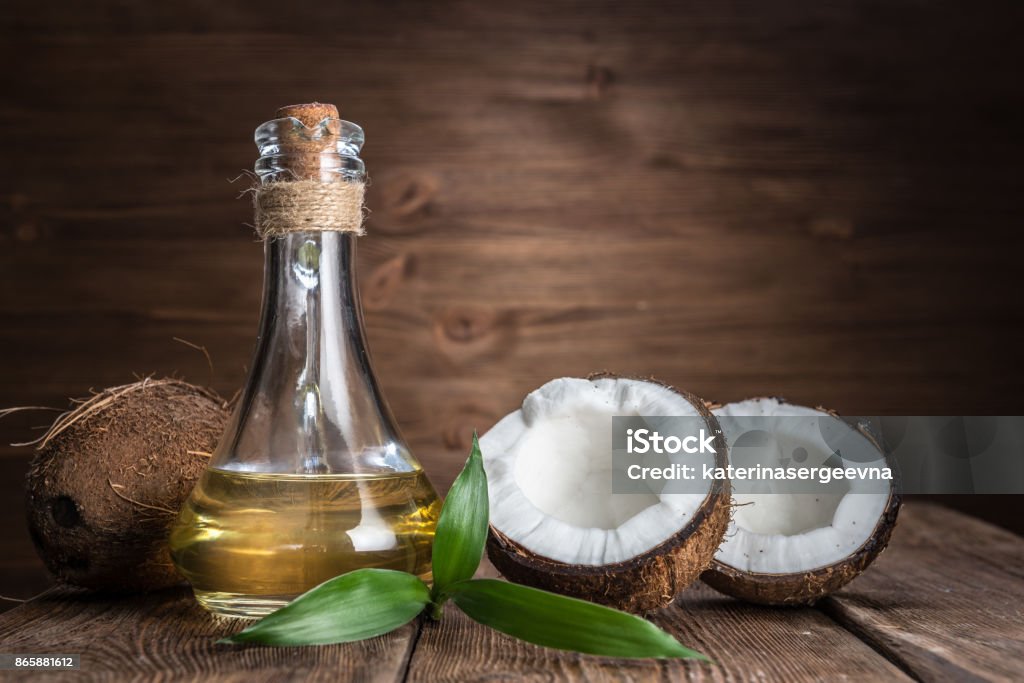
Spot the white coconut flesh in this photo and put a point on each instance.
(787, 533)
(549, 473)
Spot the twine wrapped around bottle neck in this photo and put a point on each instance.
(305, 192)
(290, 206)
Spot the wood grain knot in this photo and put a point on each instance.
(473, 333)
(599, 80)
(386, 279)
(17, 221)
(832, 227)
(457, 433)
(403, 199)
(26, 232)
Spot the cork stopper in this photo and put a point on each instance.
(309, 141)
(310, 114)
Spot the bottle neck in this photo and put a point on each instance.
(311, 404)
(313, 342)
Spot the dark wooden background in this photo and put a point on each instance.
(814, 200)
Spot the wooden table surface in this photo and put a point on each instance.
(942, 603)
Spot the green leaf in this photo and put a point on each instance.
(361, 604)
(563, 623)
(462, 527)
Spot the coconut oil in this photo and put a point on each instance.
(250, 543)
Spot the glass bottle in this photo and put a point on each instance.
(311, 478)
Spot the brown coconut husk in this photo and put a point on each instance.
(805, 588)
(110, 476)
(643, 583)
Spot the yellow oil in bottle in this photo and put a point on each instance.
(249, 543)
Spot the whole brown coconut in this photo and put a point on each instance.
(109, 479)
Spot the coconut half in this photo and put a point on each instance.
(794, 548)
(555, 523)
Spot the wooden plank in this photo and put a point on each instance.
(944, 600)
(23, 573)
(167, 635)
(942, 603)
(753, 198)
(746, 642)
